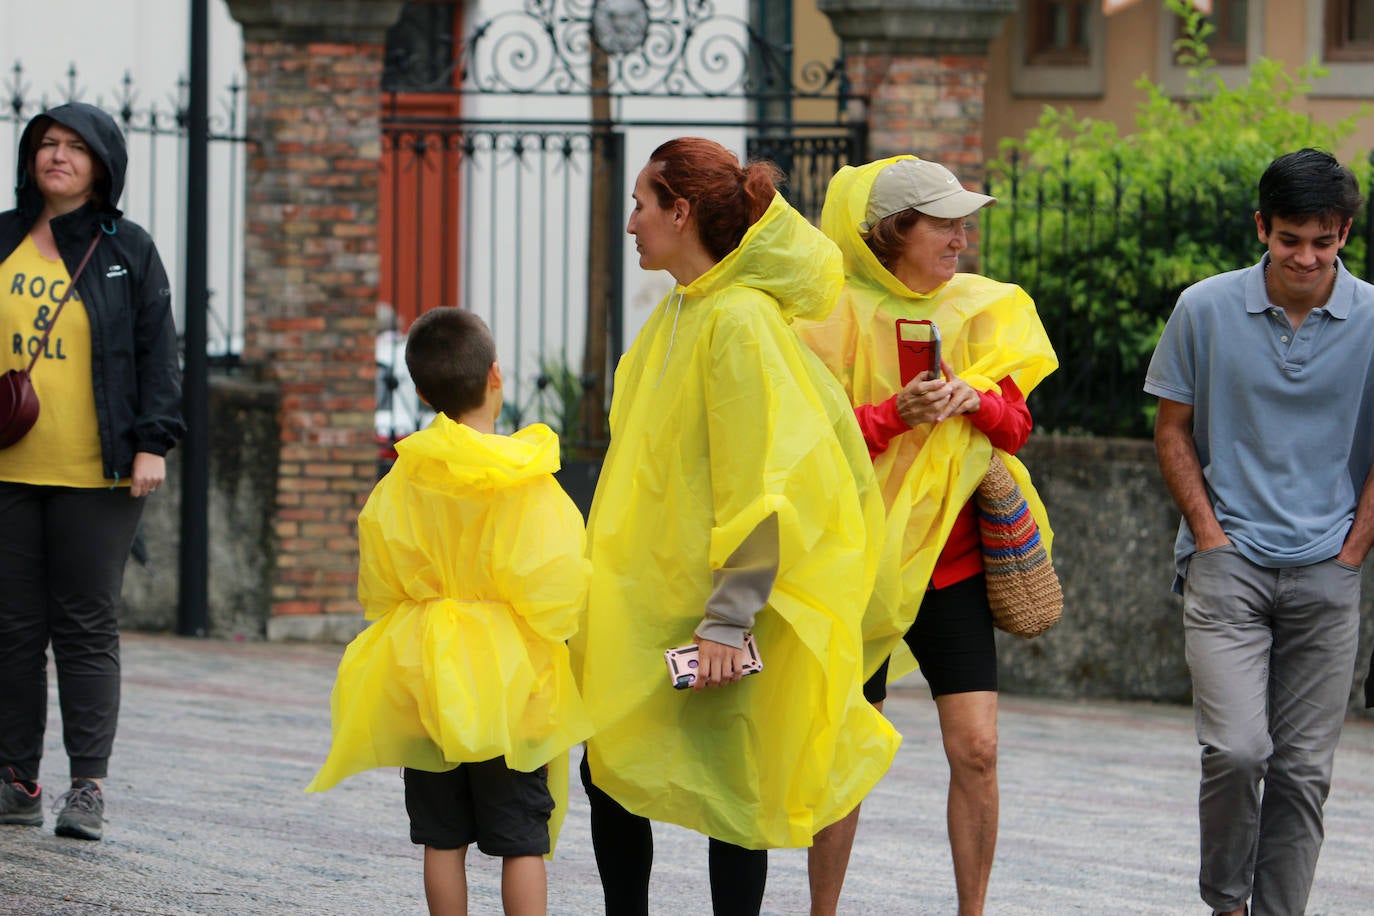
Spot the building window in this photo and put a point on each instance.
(420, 47)
(1349, 30)
(1058, 32)
(1060, 52)
(1230, 31)
(1237, 39)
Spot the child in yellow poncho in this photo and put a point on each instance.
(473, 574)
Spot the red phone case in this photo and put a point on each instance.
(919, 353)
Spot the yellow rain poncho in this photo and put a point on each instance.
(990, 330)
(722, 423)
(473, 573)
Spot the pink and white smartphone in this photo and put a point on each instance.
(682, 662)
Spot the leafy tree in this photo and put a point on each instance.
(1105, 230)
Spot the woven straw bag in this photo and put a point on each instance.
(1023, 589)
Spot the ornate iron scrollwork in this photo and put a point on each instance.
(620, 26)
(678, 48)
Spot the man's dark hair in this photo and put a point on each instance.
(1305, 184)
(448, 353)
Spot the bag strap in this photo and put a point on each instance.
(71, 288)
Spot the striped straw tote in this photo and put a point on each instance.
(1023, 589)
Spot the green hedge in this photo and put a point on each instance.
(1104, 230)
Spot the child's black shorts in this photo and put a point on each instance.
(505, 812)
(952, 641)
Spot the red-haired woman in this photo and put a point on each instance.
(736, 497)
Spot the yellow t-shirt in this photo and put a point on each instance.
(63, 448)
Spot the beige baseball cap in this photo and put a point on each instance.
(917, 184)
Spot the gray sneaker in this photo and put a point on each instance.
(81, 811)
(19, 804)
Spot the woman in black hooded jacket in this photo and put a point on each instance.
(73, 489)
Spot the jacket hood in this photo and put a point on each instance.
(846, 205)
(784, 256)
(448, 453)
(102, 136)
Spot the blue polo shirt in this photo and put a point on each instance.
(1281, 418)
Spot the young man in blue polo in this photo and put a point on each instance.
(1265, 435)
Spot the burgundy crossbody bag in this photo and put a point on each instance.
(18, 400)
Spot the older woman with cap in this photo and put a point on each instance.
(73, 488)
(900, 224)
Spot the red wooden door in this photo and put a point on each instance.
(418, 225)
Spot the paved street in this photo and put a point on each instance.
(217, 739)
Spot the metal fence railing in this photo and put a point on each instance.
(501, 217)
(155, 131)
(493, 218)
(1105, 261)
(809, 157)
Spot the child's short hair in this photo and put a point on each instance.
(449, 352)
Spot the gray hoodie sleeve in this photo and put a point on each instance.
(741, 587)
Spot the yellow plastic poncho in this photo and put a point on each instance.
(990, 330)
(473, 572)
(721, 419)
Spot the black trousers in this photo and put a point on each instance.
(62, 556)
(623, 844)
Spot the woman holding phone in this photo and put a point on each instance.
(736, 498)
(900, 223)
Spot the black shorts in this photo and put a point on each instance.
(505, 812)
(952, 641)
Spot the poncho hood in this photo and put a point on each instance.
(448, 453)
(846, 202)
(784, 256)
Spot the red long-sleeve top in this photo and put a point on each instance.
(1006, 421)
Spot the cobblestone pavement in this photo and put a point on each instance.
(207, 814)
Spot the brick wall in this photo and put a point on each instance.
(310, 297)
(926, 105)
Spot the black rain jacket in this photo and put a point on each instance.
(135, 371)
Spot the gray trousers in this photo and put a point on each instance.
(1272, 655)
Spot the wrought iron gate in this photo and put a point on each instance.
(507, 148)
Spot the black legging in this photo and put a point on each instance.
(623, 844)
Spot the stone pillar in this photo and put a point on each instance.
(311, 273)
(922, 66)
